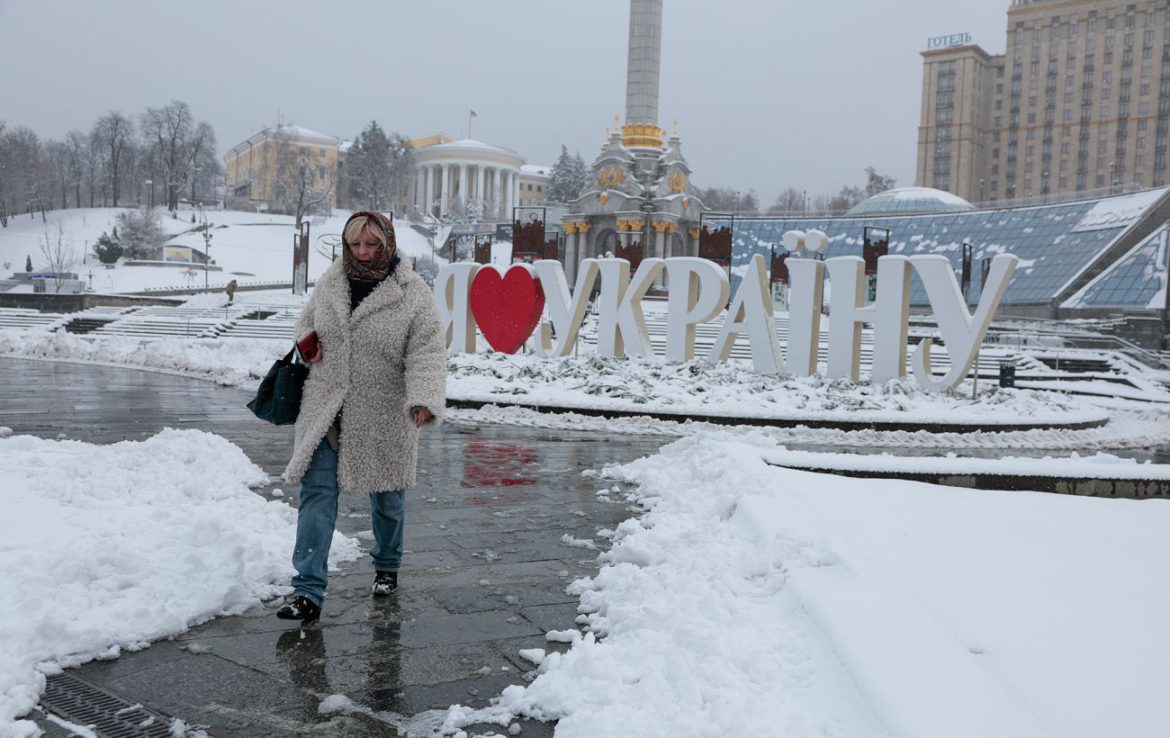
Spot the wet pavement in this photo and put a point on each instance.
(484, 573)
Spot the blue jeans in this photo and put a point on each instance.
(317, 516)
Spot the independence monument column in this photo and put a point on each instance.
(643, 62)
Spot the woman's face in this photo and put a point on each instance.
(366, 247)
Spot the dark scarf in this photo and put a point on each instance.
(360, 289)
(383, 262)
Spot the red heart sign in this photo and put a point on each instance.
(506, 308)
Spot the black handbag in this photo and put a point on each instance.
(278, 400)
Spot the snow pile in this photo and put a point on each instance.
(754, 600)
(227, 361)
(105, 548)
(733, 389)
(1125, 430)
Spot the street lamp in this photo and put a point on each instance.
(1044, 186)
(1112, 176)
(206, 251)
(150, 183)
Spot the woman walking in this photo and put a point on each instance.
(378, 374)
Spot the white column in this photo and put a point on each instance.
(509, 191)
(418, 189)
(497, 202)
(462, 186)
(515, 188)
(445, 190)
(428, 189)
(479, 185)
(505, 212)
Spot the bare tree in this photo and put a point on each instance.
(29, 178)
(790, 201)
(302, 183)
(77, 146)
(876, 182)
(168, 132)
(59, 258)
(57, 153)
(94, 167)
(202, 161)
(113, 132)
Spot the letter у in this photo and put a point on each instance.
(566, 312)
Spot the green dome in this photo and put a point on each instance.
(910, 200)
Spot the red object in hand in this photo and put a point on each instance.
(506, 308)
(309, 348)
(421, 415)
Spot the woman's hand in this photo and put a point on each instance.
(317, 357)
(420, 415)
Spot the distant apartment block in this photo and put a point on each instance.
(1078, 103)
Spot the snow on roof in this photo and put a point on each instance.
(470, 143)
(1116, 212)
(536, 170)
(302, 132)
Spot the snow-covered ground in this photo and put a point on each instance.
(107, 548)
(248, 247)
(747, 599)
(755, 600)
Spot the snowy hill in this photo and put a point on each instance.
(248, 247)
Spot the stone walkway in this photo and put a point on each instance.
(484, 574)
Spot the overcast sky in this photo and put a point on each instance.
(767, 94)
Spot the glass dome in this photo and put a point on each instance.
(910, 200)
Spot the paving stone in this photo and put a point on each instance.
(484, 574)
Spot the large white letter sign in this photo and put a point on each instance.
(888, 315)
(750, 313)
(565, 311)
(621, 327)
(452, 285)
(961, 332)
(698, 291)
(806, 292)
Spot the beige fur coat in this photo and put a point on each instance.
(377, 364)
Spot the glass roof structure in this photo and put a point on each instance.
(910, 201)
(1054, 243)
(1137, 279)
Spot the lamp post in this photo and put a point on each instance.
(1044, 187)
(150, 183)
(206, 251)
(1112, 176)
(981, 183)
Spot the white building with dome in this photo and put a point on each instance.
(465, 176)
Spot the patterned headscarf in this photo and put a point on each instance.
(383, 262)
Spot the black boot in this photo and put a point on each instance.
(299, 608)
(385, 582)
